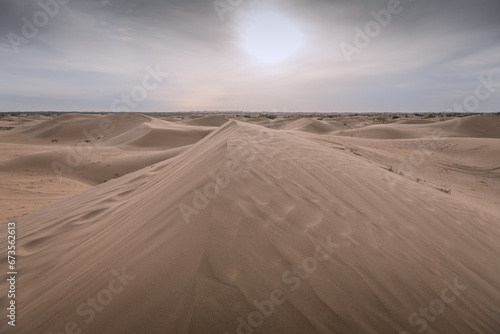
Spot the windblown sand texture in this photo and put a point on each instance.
(289, 189)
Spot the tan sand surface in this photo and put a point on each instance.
(244, 228)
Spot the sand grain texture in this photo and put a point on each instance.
(398, 243)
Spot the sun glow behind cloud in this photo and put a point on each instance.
(271, 37)
(264, 54)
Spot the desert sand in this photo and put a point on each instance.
(246, 223)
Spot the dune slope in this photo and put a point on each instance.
(314, 126)
(319, 240)
(485, 126)
(92, 149)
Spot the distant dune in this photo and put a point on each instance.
(207, 121)
(415, 121)
(314, 126)
(217, 225)
(123, 143)
(487, 126)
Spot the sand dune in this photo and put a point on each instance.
(99, 166)
(314, 126)
(270, 123)
(298, 236)
(469, 167)
(415, 121)
(115, 129)
(70, 127)
(159, 137)
(207, 121)
(23, 192)
(487, 126)
(84, 150)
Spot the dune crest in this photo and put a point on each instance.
(314, 126)
(317, 231)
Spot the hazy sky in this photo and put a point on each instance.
(298, 55)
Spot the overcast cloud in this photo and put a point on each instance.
(90, 53)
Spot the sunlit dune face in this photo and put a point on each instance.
(270, 37)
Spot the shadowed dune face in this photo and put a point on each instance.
(74, 127)
(115, 130)
(253, 229)
(67, 154)
(207, 121)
